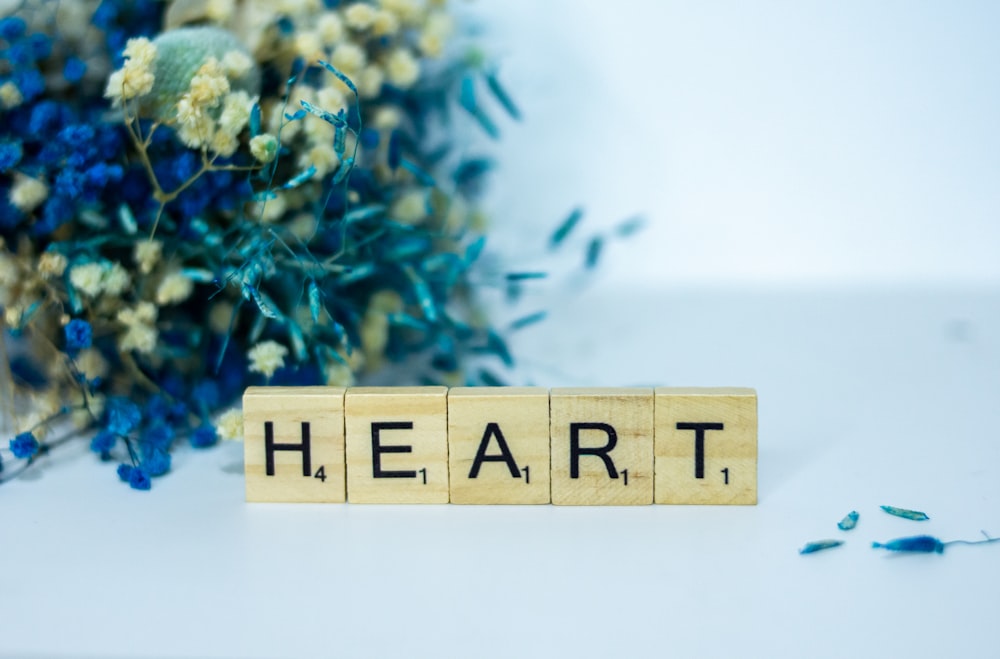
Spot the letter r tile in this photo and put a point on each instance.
(293, 444)
(397, 444)
(602, 446)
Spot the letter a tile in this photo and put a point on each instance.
(293, 444)
(498, 444)
(397, 444)
(602, 446)
(706, 445)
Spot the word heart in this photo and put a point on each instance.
(501, 445)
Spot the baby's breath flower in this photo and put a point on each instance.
(385, 24)
(235, 112)
(386, 118)
(323, 158)
(230, 425)
(437, 29)
(409, 11)
(12, 316)
(224, 143)
(51, 264)
(140, 51)
(349, 58)
(136, 77)
(174, 288)
(330, 29)
(236, 64)
(115, 280)
(370, 81)
(87, 278)
(309, 45)
(209, 84)
(197, 133)
(143, 313)
(10, 95)
(141, 338)
(147, 254)
(28, 193)
(330, 99)
(411, 208)
(402, 68)
(271, 210)
(339, 375)
(91, 364)
(267, 357)
(359, 16)
(264, 147)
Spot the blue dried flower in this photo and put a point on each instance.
(125, 472)
(12, 27)
(74, 69)
(159, 436)
(103, 442)
(24, 445)
(156, 461)
(79, 335)
(121, 415)
(10, 154)
(138, 479)
(204, 436)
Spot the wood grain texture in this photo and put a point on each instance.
(726, 470)
(281, 412)
(613, 430)
(397, 444)
(498, 445)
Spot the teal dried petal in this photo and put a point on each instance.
(630, 227)
(422, 293)
(255, 120)
(915, 515)
(530, 319)
(565, 228)
(315, 305)
(342, 171)
(329, 117)
(849, 521)
(467, 99)
(918, 544)
(521, 276)
(364, 213)
(820, 545)
(594, 252)
(300, 178)
(340, 76)
(502, 96)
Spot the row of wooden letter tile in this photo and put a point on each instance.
(501, 445)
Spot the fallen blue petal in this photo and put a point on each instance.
(915, 515)
(849, 521)
(922, 544)
(820, 545)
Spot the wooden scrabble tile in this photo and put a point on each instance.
(706, 445)
(397, 444)
(498, 444)
(602, 446)
(293, 444)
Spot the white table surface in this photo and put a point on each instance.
(866, 398)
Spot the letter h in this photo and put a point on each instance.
(270, 447)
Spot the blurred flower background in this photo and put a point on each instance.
(200, 196)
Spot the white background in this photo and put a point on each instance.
(821, 186)
(765, 141)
